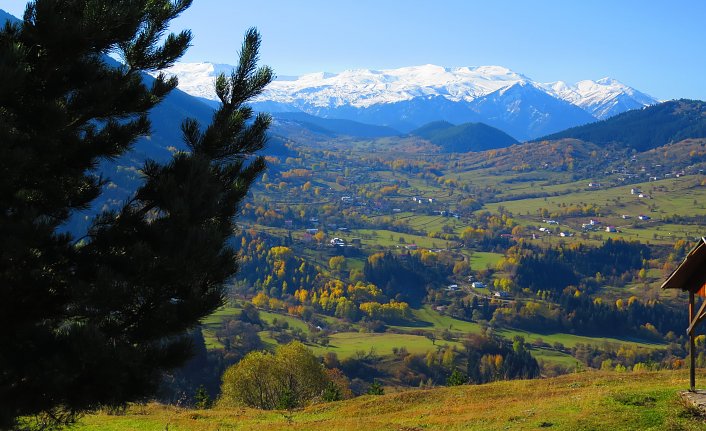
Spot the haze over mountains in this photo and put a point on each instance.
(409, 97)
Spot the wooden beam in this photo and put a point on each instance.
(692, 347)
(695, 320)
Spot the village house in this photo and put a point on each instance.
(338, 242)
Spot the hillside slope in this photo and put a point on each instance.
(644, 129)
(336, 126)
(592, 400)
(464, 137)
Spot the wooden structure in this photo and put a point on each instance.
(690, 277)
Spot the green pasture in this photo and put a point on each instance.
(426, 319)
(553, 357)
(482, 260)
(347, 344)
(571, 340)
(577, 401)
(668, 197)
(389, 238)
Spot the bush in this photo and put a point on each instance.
(376, 388)
(456, 379)
(291, 377)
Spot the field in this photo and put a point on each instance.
(410, 336)
(347, 344)
(482, 260)
(668, 197)
(584, 401)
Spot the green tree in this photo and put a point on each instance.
(337, 263)
(289, 378)
(95, 320)
(456, 379)
(376, 388)
(201, 398)
(332, 393)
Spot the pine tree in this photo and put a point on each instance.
(94, 321)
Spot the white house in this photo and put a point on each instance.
(338, 242)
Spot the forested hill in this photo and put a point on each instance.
(464, 137)
(334, 126)
(4, 16)
(644, 129)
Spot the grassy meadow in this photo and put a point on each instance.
(583, 401)
(413, 336)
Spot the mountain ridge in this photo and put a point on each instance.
(408, 97)
(465, 137)
(646, 128)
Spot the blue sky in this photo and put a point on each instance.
(656, 46)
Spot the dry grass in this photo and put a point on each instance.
(587, 401)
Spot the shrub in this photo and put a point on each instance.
(291, 377)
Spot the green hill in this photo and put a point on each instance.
(644, 129)
(464, 137)
(584, 401)
(334, 127)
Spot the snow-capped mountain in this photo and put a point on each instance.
(603, 98)
(364, 88)
(526, 111)
(409, 97)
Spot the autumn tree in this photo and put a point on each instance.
(291, 377)
(95, 320)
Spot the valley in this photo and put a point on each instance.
(190, 245)
(477, 230)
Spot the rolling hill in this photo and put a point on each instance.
(585, 401)
(644, 129)
(334, 126)
(464, 137)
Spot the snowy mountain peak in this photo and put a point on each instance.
(602, 98)
(364, 88)
(407, 97)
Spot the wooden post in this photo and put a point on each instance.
(692, 347)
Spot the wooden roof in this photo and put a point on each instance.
(690, 275)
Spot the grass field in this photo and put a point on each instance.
(347, 344)
(483, 260)
(554, 357)
(212, 322)
(426, 320)
(668, 197)
(388, 238)
(571, 340)
(584, 401)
